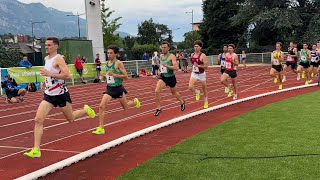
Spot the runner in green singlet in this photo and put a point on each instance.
(304, 56)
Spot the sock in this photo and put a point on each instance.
(206, 99)
(197, 91)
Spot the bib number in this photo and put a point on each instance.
(276, 62)
(48, 81)
(163, 69)
(195, 69)
(110, 79)
(289, 58)
(303, 58)
(314, 59)
(223, 63)
(228, 65)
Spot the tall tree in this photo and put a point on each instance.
(129, 42)
(216, 28)
(109, 26)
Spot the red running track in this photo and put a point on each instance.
(62, 140)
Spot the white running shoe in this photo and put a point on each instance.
(235, 97)
(284, 79)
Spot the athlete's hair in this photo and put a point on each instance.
(114, 48)
(55, 40)
(279, 43)
(232, 45)
(225, 45)
(165, 42)
(305, 43)
(198, 42)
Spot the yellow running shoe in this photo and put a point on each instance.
(206, 105)
(226, 90)
(198, 96)
(307, 83)
(90, 111)
(312, 75)
(230, 94)
(303, 75)
(275, 80)
(138, 104)
(34, 153)
(280, 86)
(98, 131)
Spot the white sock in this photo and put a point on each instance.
(206, 99)
(197, 91)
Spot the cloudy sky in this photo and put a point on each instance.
(169, 12)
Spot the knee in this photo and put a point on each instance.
(102, 107)
(157, 91)
(190, 87)
(38, 120)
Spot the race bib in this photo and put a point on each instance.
(195, 69)
(228, 65)
(303, 58)
(223, 63)
(289, 58)
(275, 61)
(110, 79)
(48, 81)
(163, 69)
(314, 59)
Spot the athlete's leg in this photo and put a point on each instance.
(177, 95)
(127, 104)
(71, 115)
(224, 77)
(102, 108)
(160, 85)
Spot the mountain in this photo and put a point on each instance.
(17, 18)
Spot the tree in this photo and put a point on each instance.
(216, 28)
(109, 26)
(153, 33)
(189, 39)
(9, 58)
(129, 42)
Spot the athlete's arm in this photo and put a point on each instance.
(64, 71)
(236, 60)
(295, 50)
(205, 62)
(174, 66)
(282, 57)
(121, 68)
(309, 54)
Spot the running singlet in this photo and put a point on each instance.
(229, 64)
(54, 86)
(166, 72)
(314, 56)
(199, 62)
(276, 58)
(222, 60)
(113, 81)
(289, 58)
(304, 56)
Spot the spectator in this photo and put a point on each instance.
(12, 91)
(145, 56)
(25, 63)
(84, 60)
(119, 57)
(79, 67)
(155, 64)
(125, 57)
(98, 65)
(31, 87)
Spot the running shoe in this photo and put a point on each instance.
(227, 90)
(275, 80)
(183, 106)
(34, 153)
(90, 111)
(307, 83)
(198, 96)
(98, 131)
(235, 97)
(284, 79)
(280, 86)
(138, 104)
(158, 111)
(206, 105)
(311, 81)
(230, 94)
(303, 75)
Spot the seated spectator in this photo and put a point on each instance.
(11, 89)
(25, 63)
(31, 87)
(143, 72)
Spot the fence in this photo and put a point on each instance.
(23, 76)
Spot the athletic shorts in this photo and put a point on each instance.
(305, 65)
(232, 74)
(244, 59)
(98, 69)
(314, 64)
(11, 94)
(116, 92)
(277, 67)
(199, 76)
(58, 100)
(169, 81)
(293, 64)
(79, 71)
(222, 69)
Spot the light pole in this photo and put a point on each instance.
(32, 23)
(191, 23)
(78, 20)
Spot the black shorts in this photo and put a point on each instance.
(79, 71)
(305, 65)
(292, 64)
(11, 94)
(222, 69)
(116, 92)
(232, 74)
(169, 81)
(155, 67)
(58, 100)
(277, 67)
(314, 64)
(98, 69)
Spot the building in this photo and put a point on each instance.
(196, 26)
(20, 38)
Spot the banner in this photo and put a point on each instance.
(26, 75)
(89, 71)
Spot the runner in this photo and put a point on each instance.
(56, 94)
(222, 62)
(115, 73)
(168, 65)
(277, 71)
(314, 61)
(244, 58)
(231, 62)
(291, 60)
(305, 55)
(199, 64)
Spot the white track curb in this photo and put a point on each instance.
(81, 156)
